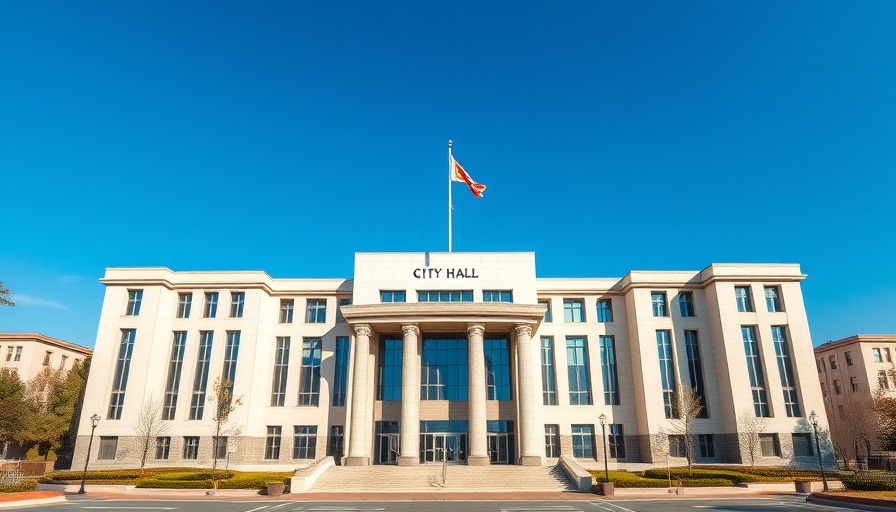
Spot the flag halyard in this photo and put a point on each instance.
(459, 174)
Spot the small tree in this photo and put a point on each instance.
(660, 448)
(13, 407)
(149, 425)
(49, 410)
(688, 406)
(749, 427)
(884, 405)
(222, 396)
(6, 296)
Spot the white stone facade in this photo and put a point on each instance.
(511, 429)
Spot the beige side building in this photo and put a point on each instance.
(29, 353)
(850, 371)
(462, 358)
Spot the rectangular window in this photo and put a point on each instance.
(667, 372)
(785, 371)
(548, 382)
(211, 305)
(392, 296)
(135, 297)
(833, 362)
(686, 303)
(769, 445)
(445, 296)
(802, 445)
(658, 303)
(9, 354)
(309, 384)
(184, 302)
(389, 377)
(882, 381)
(191, 448)
(200, 380)
(875, 353)
(605, 310)
(573, 310)
(444, 372)
(583, 441)
(772, 301)
(754, 369)
(551, 441)
(219, 447)
(237, 301)
(122, 368)
(316, 311)
(497, 368)
(838, 389)
(272, 443)
(340, 376)
(163, 447)
(18, 356)
(281, 371)
(854, 384)
(887, 355)
(62, 362)
(286, 308)
(577, 369)
(108, 447)
(744, 301)
(547, 310)
(47, 355)
(695, 370)
(677, 446)
(231, 352)
(824, 390)
(706, 445)
(342, 302)
(848, 356)
(608, 367)
(172, 383)
(842, 411)
(305, 442)
(616, 440)
(497, 296)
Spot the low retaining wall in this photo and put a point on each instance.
(579, 477)
(305, 478)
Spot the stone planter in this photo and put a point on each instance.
(803, 486)
(605, 488)
(275, 489)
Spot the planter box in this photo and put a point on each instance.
(275, 489)
(605, 488)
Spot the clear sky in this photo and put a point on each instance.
(285, 136)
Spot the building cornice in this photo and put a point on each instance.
(853, 340)
(489, 313)
(6, 338)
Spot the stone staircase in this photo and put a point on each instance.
(429, 478)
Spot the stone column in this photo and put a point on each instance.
(530, 429)
(358, 448)
(410, 396)
(478, 435)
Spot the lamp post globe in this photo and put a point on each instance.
(94, 421)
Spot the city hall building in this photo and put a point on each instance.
(465, 358)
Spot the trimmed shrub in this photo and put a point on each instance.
(869, 482)
(27, 484)
(153, 483)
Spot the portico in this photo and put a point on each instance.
(477, 410)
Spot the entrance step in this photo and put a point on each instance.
(429, 477)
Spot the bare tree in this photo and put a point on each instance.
(884, 405)
(748, 429)
(225, 404)
(148, 427)
(660, 448)
(688, 405)
(6, 296)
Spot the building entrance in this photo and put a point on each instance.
(449, 448)
(388, 447)
(500, 448)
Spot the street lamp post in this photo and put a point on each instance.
(603, 428)
(94, 421)
(813, 419)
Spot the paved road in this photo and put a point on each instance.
(773, 504)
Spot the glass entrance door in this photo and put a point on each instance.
(449, 448)
(387, 448)
(500, 448)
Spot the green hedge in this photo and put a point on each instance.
(201, 479)
(27, 484)
(154, 483)
(869, 482)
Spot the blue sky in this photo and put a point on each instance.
(285, 136)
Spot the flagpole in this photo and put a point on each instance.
(450, 207)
